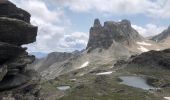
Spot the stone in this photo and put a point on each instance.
(9, 51)
(3, 71)
(8, 9)
(16, 32)
(21, 61)
(13, 81)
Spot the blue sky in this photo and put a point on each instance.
(64, 24)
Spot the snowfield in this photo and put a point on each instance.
(167, 98)
(84, 65)
(143, 49)
(144, 43)
(105, 73)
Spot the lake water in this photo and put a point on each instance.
(63, 88)
(135, 81)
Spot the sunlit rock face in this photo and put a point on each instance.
(15, 30)
(103, 36)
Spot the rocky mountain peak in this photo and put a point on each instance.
(97, 23)
(125, 22)
(103, 36)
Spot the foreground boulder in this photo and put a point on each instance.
(8, 9)
(16, 30)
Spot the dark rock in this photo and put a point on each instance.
(3, 71)
(8, 9)
(13, 81)
(16, 32)
(153, 58)
(103, 36)
(165, 85)
(20, 61)
(9, 51)
(97, 23)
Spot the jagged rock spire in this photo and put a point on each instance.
(103, 36)
(97, 23)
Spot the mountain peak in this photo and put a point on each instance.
(97, 23)
(103, 37)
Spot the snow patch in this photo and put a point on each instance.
(143, 49)
(105, 73)
(144, 43)
(167, 98)
(84, 65)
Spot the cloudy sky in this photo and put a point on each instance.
(64, 24)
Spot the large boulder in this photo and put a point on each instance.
(12, 81)
(8, 9)
(16, 32)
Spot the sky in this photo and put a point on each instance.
(63, 25)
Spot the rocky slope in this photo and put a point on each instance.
(54, 57)
(162, 36)
(16, 30)
(159, 59)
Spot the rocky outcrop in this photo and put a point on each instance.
(54, 57)
(8, 9)
(103, 36)
(159, 59)
(162, 36)
(15, 30)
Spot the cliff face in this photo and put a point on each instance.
(15, 30)
(103, 36)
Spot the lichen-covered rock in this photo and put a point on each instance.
(8, 9)
(16, 32)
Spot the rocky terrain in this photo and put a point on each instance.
(114, 50)
(107, 44)
(162, 36)
(16, 82)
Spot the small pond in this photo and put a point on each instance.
(137, 82)
(63, 88)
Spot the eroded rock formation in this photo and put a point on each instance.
(15, 30)
(103, 36)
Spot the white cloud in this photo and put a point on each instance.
(52, 28)
(54, 33)
(75, 40)
(149, 29)
(152, 8)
